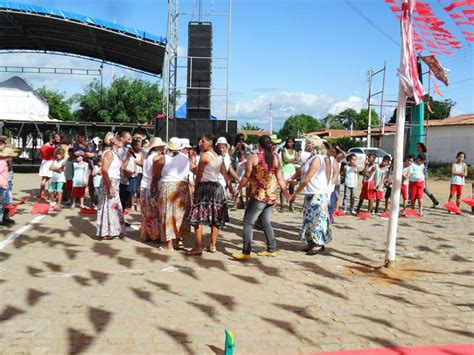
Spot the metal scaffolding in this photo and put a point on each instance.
(172, 59)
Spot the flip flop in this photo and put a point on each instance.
(194, 252)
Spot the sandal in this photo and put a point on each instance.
(194, 251)
(180, 244)
(109, 237)
(211, 249)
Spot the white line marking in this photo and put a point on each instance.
(11, 238)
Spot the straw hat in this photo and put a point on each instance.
(7, 152)
(175, 144)
(223, 140)
(275, 139)
(155, 142)
(108, 138)
(314, 141)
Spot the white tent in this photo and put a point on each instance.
(19, 102)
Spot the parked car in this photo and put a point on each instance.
(361, 154)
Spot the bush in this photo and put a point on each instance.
(444, 171)
(345, 143)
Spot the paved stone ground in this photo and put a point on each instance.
(62, 291)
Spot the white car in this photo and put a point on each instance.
(361, 154)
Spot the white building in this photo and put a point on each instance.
(444, 138)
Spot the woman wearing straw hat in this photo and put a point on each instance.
(170, 183)
(110, 221)
(210, 203)
(148, 210)
(315, 177)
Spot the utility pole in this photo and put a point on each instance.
(271, 118)
(369, 103)
(369, 122)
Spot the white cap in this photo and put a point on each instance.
(175, 144)
(186, 143)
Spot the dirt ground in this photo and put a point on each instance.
(63, 291)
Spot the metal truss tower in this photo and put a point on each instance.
(171, 64)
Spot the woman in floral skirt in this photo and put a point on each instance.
(148, 208)
(110, 221)
(315, 177)
(170, 182)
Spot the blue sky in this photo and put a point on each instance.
(303, 56)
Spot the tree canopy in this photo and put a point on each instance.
(297, 125)
(59, 105)
(348, 117)
(247, 126)
(125, 100)
(440, 109)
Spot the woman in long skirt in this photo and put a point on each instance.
(316, 174)
(148, 206)
(110, 221)
(170, 180)
(209, 203)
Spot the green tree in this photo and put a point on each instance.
(125, 100)
(363, 118)
(347, 118)
(331, 122)
(247, 126)
(296, 126)
(441, 109)
(59, 105)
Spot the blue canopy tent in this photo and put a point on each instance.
(182, 113)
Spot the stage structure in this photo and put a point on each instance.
(194, 73)
(34, 29)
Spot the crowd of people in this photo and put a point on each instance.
(176, 186)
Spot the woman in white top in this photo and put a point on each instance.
(136, 177)
(148, 209)
(171, 186)
(224, 146)
(315, 181)
(110, 221)
(210, 203)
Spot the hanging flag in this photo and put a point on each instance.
(436, 68)
(408, 71)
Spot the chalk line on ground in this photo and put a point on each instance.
(11, 238)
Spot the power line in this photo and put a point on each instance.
(369, 21)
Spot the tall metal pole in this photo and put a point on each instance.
(271, 118)
(229, 24)
(382, 123)
(369, 122)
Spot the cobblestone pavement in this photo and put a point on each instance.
(62, 291)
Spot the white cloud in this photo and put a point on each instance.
(285, 104)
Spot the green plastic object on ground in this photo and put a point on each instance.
(229, 343)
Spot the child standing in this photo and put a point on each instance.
(96, 179)
(3, 180)
(367, 192)
(57, 179)
(350, 182)
(69, 174)
(459, 173)
(417, 182)
(405, 179)
(379, 178)
(240, 171)
(80, 179)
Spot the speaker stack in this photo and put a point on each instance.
(199, 70)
